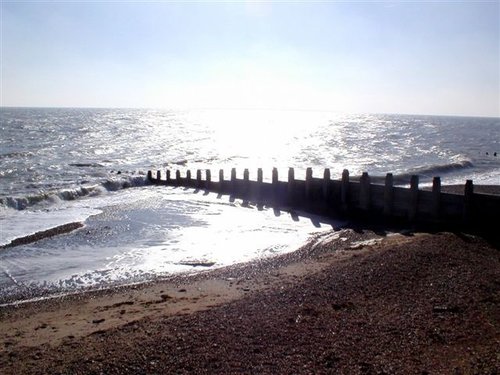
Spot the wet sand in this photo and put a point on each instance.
(349, 302)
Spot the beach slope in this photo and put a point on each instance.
(349, 303)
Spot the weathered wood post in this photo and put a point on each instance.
(178, 177)
(436, 197)
(169, 179)
(468, 202)
(364, 191)
(326, 185)
(208, 181)
(389, 194)
(221, 180)
(260, 175)
(188, 177)
(198, 178)
(150, 176)
(246, 182)
(291, 186)
(413, 207)
(274, 180)
(260, 179)
(308, 190)
(158, 177)
(344, 191)
(233, 181)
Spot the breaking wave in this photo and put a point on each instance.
(111, 184)
(445, 168)
(428, 172)
(86, 165)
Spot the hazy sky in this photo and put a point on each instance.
(390, 57)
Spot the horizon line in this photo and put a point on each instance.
(249, 109)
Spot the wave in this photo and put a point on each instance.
(111, 184)
(185, 162)
(16, 154)
(83, 165)
(427, 172)
(444, 168)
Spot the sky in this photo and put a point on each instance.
(363, 57)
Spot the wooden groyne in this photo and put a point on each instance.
(351, 197)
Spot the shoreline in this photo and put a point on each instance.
(146, 293)
(344, 292)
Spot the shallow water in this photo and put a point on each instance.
(146, 232)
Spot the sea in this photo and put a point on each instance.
(71, 165)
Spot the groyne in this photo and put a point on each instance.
(359, 197)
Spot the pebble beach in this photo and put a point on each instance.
(351, 301)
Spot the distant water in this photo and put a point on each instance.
(60, 166)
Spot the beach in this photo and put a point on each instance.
(350, 301)
(249, 187)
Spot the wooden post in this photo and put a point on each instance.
(309, 175)
(364, 191)
(169, 179)
(344, 191)
(150, 176)
(275, 184)
(436, 197)
(188, 176)
(158, 177)
(233, 181)
(208, 179)
(178, 177)
(468, 201)
(389, 194)
(260, 179)
(246, 182)
(413, 207)
(291, 186)
(275, 176)
(221, 180)
(198, 178)
(326, 185)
